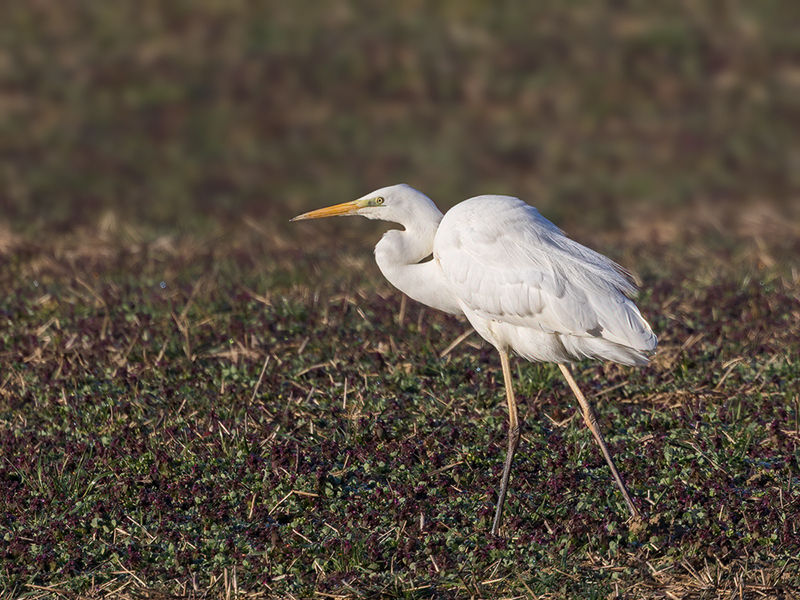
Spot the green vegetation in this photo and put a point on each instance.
(199, 399)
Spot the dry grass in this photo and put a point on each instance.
(120, 390)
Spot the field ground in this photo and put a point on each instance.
(245, 412)
(199, 399)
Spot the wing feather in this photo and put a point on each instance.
(507, 263)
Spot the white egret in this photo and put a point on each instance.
(522, 284)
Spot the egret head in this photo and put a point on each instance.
(395, 203)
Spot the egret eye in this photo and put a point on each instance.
(379, 200)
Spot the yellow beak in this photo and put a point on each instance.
(345, 208)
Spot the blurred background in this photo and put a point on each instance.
(183, 113)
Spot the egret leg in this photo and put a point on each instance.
(513, 440)
(591, 421)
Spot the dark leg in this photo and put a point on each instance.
(513, 441)
(591, 422)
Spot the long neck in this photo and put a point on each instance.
(398, 255)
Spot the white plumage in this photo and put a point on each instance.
(522, 284)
